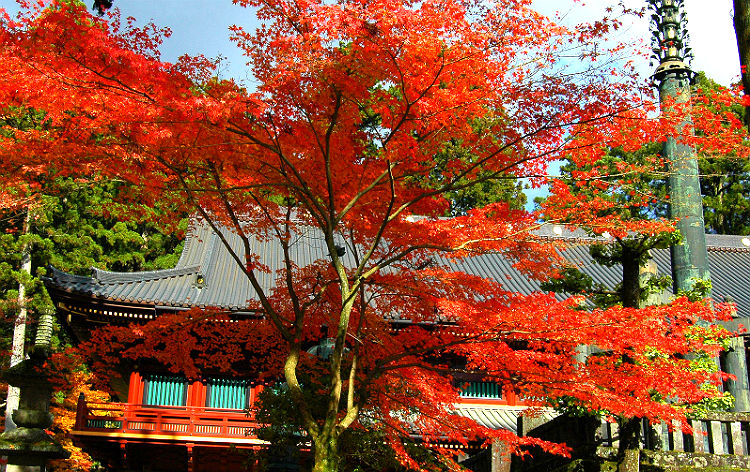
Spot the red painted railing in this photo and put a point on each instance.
(200, 423)
(125, 421)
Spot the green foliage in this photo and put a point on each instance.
(496, 187)
(700, 290)
(638, 187)
(634, 191)
(573, 281)
(72, 225)
(571, 406)
(655, 284)
(642, 196)
(84, 225)
(636, 248)
(701, 361)
(14, 118)
(725, 181)
(641, 190)
(489, 191)
(75, 226)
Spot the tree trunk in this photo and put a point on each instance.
(628, 452)
(326, 454)
(742, 33)
(631, 276)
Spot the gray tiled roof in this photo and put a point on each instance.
(227, 287)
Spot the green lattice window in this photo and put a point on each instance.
(103, 423)
(227, 393)
(165, 390)
(482, 390)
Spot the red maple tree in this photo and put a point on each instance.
(354, 101)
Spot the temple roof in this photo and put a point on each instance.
(206, 275)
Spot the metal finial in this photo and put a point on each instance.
(669, 38)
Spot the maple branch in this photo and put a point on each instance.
(480, 337)
(317, 295)
(236, 130)
(453, 184)
(375, 182)
(267, 306)
(352, 381)
(409, 104)
(358, 345)
(382, 364)
(327, 158)
(352, 409)
(359, 276)
(299, 311)
(342, 328)
(383, 263)
(527, 230)
(122, 86)
(302, 189)
(400, 432)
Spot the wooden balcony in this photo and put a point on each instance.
(128, 423)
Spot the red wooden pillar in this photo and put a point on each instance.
(135, 397)
(196, 395)
(510, 396)
(135, 390)
(255, 390)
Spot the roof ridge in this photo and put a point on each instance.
(727, 249)
(712, 244)
(61, 275)
(193, 238)
(108, 277)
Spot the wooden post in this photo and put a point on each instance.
(135, 389)
(735, 432)
(124, 454)
(679, 444)
(615, 433)
(190, 394)
(199, 394)
(190, 463)
(698, 435)
(717, 438)
(81, 412)
(659, 429)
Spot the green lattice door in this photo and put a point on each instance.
(482, 390)
(227, 393)
(165, 390)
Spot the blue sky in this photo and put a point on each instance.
(201, 26)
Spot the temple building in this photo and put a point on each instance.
(163, 421)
